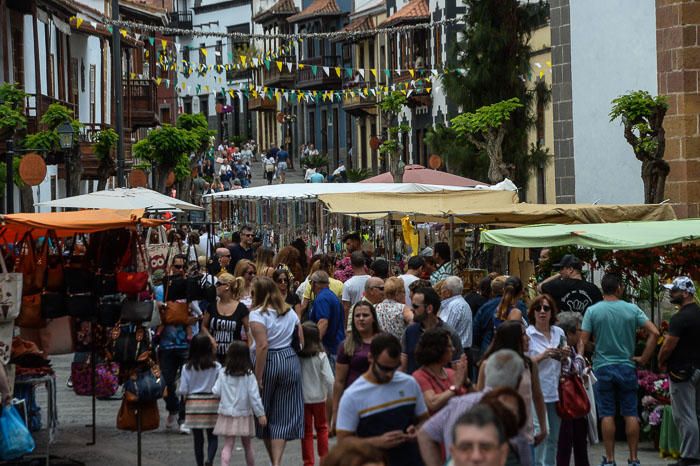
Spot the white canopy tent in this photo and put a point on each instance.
(122, 198)
(294, 191)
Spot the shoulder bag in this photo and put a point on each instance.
(26, 264)
(133, 282)
(175, 312)
(129, 413)
(144, 384)
(30, 312)
(573, 400)
(129, 343)
(136, 311)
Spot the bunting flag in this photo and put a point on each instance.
(78, 22)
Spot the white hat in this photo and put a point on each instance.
(427, 252)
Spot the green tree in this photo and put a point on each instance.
(105, 141)
(48, 141)
(485, 129)
(391, 105)
(168, 148)
(12, 121)
(643, 117)
(489, 65)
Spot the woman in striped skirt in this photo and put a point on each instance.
(197, 378)
(277, 367)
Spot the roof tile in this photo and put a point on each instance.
(317, 8)
(415, 10)
(281, 8)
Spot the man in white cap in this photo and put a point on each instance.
(681, 353)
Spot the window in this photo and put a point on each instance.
(93, 79)
(438, 47)
(204, 105)
(371, 53)
(186, 54)
(202, 59)
(187, 106)
(219, 51)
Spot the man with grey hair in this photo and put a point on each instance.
(327, 313)
(374, 290)
(455, 311)
(505, 369)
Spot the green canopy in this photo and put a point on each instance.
(622, 235)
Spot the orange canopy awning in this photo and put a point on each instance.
(14, 226)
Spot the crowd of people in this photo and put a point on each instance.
(402, 366)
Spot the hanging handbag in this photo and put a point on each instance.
(106, 378)
(53, 260)
(156, 253)
(136, 311)
(144, 384)
(30, 312)
(53, 305)
(133, 282)
(26, 264)
(175, 313)
(57, 336)
(77, 275)
(128, 419)
(10, 293)
(573, 400)
(200, 289)
(81, 305)
(109, 309)
(128, 343)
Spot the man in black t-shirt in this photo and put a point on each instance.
(568, 287)
(243, 250)
(681, 352)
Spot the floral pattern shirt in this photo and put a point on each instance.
(390, 317)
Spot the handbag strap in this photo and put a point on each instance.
(3, 265)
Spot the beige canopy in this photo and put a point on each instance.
(485, 207)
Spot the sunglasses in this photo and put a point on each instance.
(178, 267)
(387, 368)
(282, 280)
(221, 284)
(544, 308)
(416, 306)
(226, 255)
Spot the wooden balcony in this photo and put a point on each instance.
(359, 105)
(86, 149)
(258, 104)
(276, 78)
(180, 20)
(38, 105)
(306, 79)
(140, 110)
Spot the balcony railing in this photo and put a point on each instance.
(276, 77)
(139, 103)
(37, 106)
(359, 104)
(180, 19)
(260, 104)
(306, 79)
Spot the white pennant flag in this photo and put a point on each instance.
(362, 73)
(326, 70)
(289, 66)
(374, 92)
(177, 47)
(398, 71)
(434, 72)
(408, 94)
(93, 24)
(255, 62)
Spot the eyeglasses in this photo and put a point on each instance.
(469, 447)
(544, 308)
(416, 306)
(282, 280)
(221, 284)
(178, 266)
(387, 368)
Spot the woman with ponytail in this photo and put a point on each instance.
(228, 320)
(508, 307)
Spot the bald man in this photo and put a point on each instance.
(223, 256)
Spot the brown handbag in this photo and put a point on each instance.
(56, 338)
(27, 264)
(127, 418)
(53, 262)
(175, 313)
(30, 312)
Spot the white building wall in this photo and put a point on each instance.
(613, 51)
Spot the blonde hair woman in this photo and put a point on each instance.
(245, 269)
(264, 261)
(277, 367)
(392, 313)
(227, 321)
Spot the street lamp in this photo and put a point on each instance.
(66, 133)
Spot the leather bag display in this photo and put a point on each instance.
(26, 264)
(136, 311)
(127, 418)
(53, 305)
(175, 313)
(109, 310)
(81, 305)
(30, 312)
(144, 384)
(128, 343)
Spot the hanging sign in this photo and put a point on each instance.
(32, 169)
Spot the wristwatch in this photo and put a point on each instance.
(452, 388)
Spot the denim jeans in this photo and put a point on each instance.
(546, 452)
(170, 361)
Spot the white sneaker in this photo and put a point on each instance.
(185, 430)
(171, 423)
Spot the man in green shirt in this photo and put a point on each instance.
(613, 324)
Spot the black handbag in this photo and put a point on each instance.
(136, 311)
(81, 305)
(144, 385)
(109, 310)
(105, 283)
(53, 305)
(128, 343)
(76, 274)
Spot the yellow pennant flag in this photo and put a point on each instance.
(337, 70)
(123, 33)
(412, 72)
(541, 74)
(427, 89)
(158, 81)
(78, 22)
(243, 59)
(255, 94)
(204, 51)
(374, 72)
(300, 66)
(163, 43)
(279, 66)
(146, 53)
(133, 75)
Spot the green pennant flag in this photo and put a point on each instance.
(151, 40)
(348, 71)
(198, 88)
(110, 29)
(387, 72)
(267, 64)
(230, 56)
(314, 69)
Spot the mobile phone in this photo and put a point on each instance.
(562, 342)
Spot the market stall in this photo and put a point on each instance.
(645, 253)
(122, 198)
(61, 288)
(421, 174)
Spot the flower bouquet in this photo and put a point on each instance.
(655, 395)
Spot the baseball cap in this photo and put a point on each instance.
(427, 252)
(682, 283)
(569, 260)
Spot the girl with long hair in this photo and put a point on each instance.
(197, 379)
(282, 277)
(512, 335)
(240, 401)
(352, 359)
(277, 367)
(317, 383)
(245, 269)
(264, 261)
(228, 319)
(290, 258)
(508, 307)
